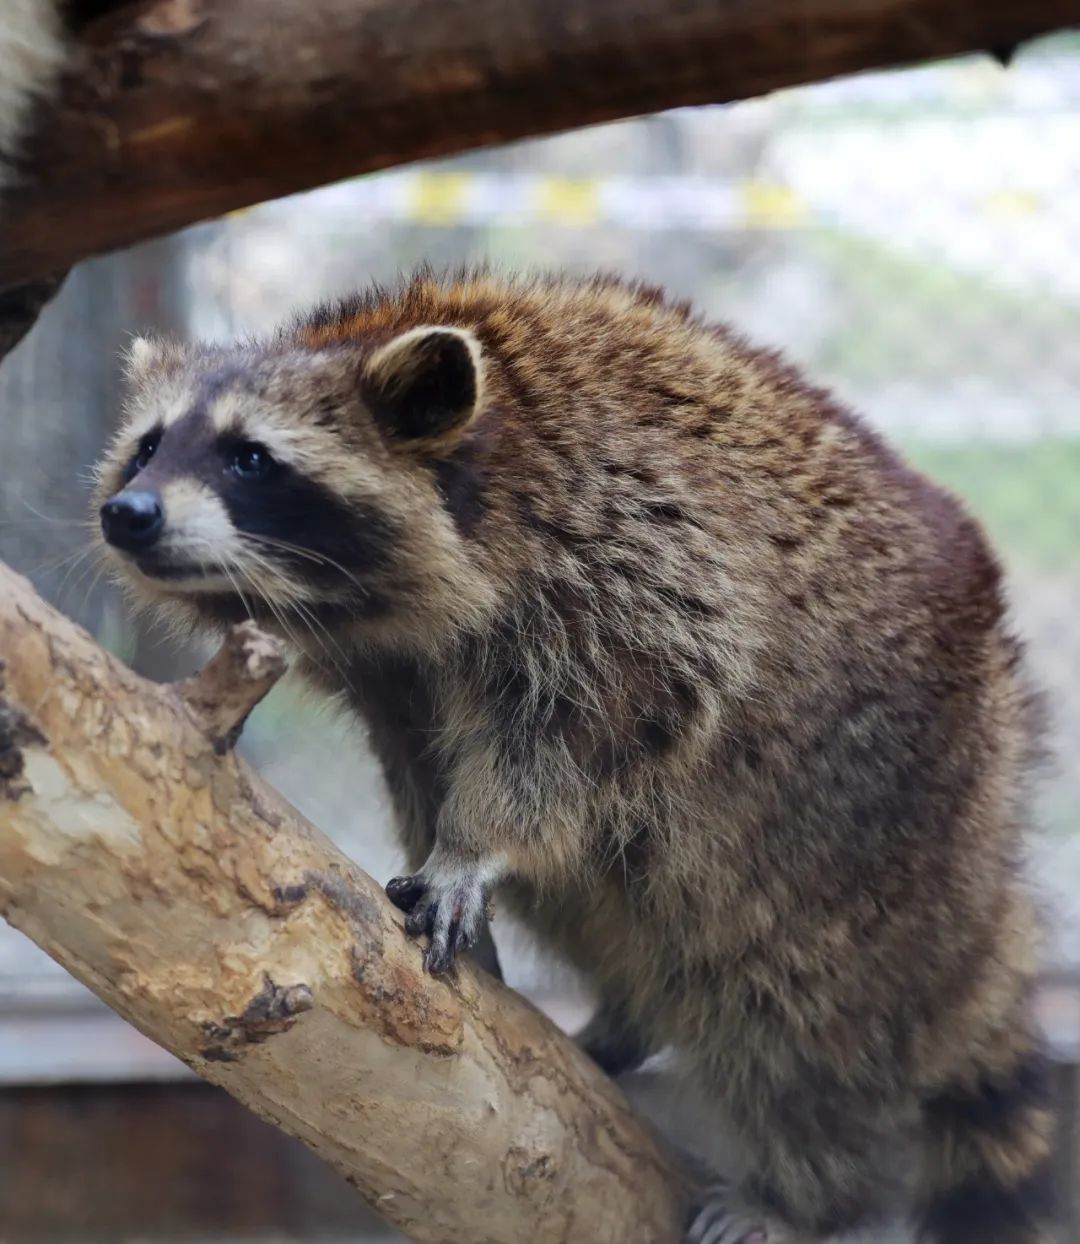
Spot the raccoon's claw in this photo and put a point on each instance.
(716, 1221)
(406, 892)
(452, 914)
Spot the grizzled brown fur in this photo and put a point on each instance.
(668, 647)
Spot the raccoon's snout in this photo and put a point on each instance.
(133, 521)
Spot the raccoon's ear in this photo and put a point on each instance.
(424, 386)
(143, 355)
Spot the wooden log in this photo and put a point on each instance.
(178, 110)
(144, 856)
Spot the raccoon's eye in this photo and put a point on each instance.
(249, 460)
(147, 448)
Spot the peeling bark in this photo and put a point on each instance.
(149, 860)
(229, 686)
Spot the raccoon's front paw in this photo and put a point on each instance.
(717, 1220)
(451, 910)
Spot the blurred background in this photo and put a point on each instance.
(911, 238)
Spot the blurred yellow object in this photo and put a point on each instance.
(1010, 204)
(768, 205)
(439, 198)
(569, 201)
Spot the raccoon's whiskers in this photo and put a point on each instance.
(83, 563)
(309, 555)
(304, 613)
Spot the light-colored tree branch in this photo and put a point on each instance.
(180, 110)
(149, 860)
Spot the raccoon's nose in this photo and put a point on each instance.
(132, 521)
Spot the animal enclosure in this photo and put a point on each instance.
(909, 237)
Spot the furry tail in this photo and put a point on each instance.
(31, 56)
(990, 1174)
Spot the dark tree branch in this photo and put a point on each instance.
(178, 110)
(20, 307)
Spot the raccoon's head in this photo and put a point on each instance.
(295, 485)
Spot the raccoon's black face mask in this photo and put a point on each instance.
(290, 486)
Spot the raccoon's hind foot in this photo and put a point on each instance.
(613, 1041)
(717, 1219)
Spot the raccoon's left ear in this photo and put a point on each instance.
(141, 357)
(424, 386)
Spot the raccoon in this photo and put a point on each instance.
(662, 644)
